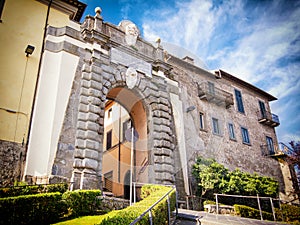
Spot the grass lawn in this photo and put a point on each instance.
(85, 220)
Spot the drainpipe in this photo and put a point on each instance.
(37, 79)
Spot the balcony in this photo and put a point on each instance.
(268, 118)
(273, 151)
(215, 95)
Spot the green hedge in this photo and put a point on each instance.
(48, 207)
(150, 193)
(248, 212)
(32, 189)
(32, 209)
(82, 202)
(290, 213)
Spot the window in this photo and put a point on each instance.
(108, 139)
(109, 112)
(211, 88)
(239, 101)
(216, 129)
(201, 118)
(270, 145)
(231, 131)
(1, 8)
(262, 108)
(126, 126)
(108, 181)
(245, 136)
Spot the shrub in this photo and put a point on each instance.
(32, 209)
(209, 202)
(290, 213)
(248, 212)
(150, 193)
(32, 189)
(82, 202)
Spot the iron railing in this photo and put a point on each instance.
(215, 95)
(152, 206)
(268, 118)
(267, 150)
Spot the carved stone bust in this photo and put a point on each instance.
(131, 31)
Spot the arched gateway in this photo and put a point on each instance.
(110, 63)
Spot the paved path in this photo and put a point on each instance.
(188, 217)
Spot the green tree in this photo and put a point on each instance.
(210, 175)
(213, 177)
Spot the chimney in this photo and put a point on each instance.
(188, 59)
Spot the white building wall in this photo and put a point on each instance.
(57, 74)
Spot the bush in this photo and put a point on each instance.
(209, 202)
(150, 193)
(290, 213)
(32, 189)
(248, 212)
(32, 209)
(82, 202)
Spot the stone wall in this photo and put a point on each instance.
(112, 203)
(101, 71)
(202, 142)
(11, 162)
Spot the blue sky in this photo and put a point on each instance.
(255, 40)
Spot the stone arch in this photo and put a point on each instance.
(99, 76)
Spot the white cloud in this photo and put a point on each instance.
(255, 44)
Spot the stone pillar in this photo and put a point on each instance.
(88, 144)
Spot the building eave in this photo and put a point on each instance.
(246, 84)
(73, 8)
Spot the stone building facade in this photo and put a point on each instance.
(182, 110)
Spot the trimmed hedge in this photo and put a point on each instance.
(150, 193)
(32, 209)
(248, 212)
(82, 202)
(290, 213)
(47, 208)
(32, 189)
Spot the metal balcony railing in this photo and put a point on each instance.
(267, 150)
(268, 118)
(215, 95)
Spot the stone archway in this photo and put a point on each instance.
(124, 110)
(149, 94)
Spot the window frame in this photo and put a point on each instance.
(211, 88)
(231, 131)
(262, 109)
(216, 129)
(239, 101)
(270, 144)
(109, 113)
(201, 120)
(108, 134)
(245, 136)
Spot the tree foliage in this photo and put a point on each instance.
(213, 177)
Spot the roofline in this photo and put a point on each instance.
(246, 84)
(74, 8)
(191, 67)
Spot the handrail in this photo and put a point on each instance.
(152, 206)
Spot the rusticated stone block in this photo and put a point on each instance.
(90, 163)
(91, 154)
(162, 151)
